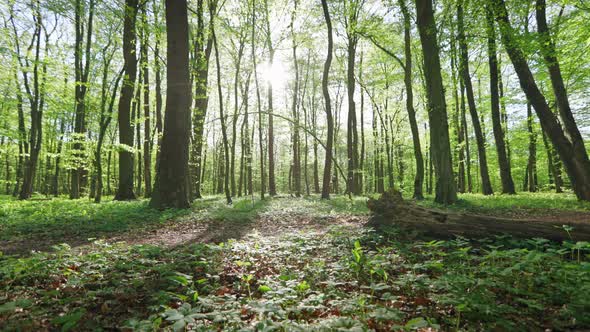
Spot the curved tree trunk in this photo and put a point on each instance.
(577, 167)
(419, 177)
(326, 93)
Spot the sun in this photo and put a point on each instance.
(275, 74)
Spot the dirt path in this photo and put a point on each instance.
(274, 225)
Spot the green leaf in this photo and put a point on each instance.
(179, 325)
(416, 323)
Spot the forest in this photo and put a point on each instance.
(294, 165)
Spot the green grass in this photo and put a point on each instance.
(344, 278)
(63, 218)
(500, 204)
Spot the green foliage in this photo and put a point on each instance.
(332, 274)
(63, 220)
(522, 203)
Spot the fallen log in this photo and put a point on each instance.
(392, 209)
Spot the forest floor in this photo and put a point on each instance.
(282, 264)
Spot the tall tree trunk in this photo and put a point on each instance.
(328, 106)
(238, 62)
(361, 173)
(577, 167)
(36, 96)
(549, 52)
(81, 88)
(465, 133)
(258, 104)
(136, 115)
(147, 139)
(446, 191)
(419, 177)
(272, 187)
(126, 170)
(531, 175)
(23, 145)
(351, 21)
(486, 184)
(505, 173)
(225, 141)
(503, 112)
(105, 120)
(171, 185)
(201, 99)
(554, 171)
(295, 112)
(457, 117)
(158, 81)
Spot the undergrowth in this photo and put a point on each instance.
(338, 276)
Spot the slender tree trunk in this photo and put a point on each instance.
(446, 191)
(171, 185)
(238, 62)
(258, 104)
(136, 115)
(295, 112)
(105, 120)
(466, 78)
(328, 106)
(577, 167)
(147, 139)
(351, 129)
(504, 165)
(158, 81)
(419, 177)
(126, 170)
(23, 146)
(226, 152)
(36, 96)
(272, 188)
(201, 99)
(531, 184)
(81, 88)
(549, 52)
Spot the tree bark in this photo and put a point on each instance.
(258, 104)
(486, 184)
(504, 165)
(238, 62)
(272, 187)
(351, 22)
(446, 191)
(328, 106)
(202, 50)
(81, 88)
(36, 96)
(390, 209)
(295, 112)
(419, 177)
(147, 139)
(577, 167)
(225, 142)
(531, 175)
(549, 52)
(126, 170)
(171, 185)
